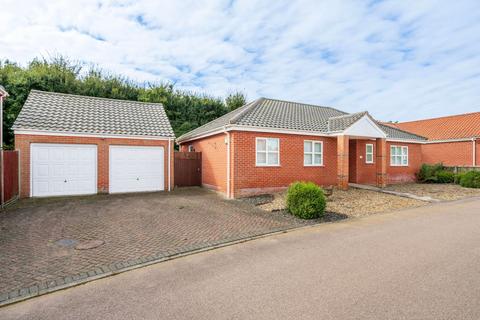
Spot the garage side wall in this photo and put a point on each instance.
(22, 143)
(214, 160)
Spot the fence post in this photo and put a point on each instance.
(2, 183)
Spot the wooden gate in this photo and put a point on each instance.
(188, 169)
(10, 176)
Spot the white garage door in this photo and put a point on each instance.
(136, 169)
(63, 169)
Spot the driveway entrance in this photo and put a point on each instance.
(50, 242)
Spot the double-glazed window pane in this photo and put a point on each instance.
(312, 153)
(369, 153)
(307, 146)
(399, 156)
(261, 144)
(267, 150)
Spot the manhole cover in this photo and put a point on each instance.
(89, 244)
(66, 242)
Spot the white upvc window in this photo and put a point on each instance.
(190, 148)
(267, 152)
(399, 156)
(369, 153)
(312, 153)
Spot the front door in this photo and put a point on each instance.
(352, 161)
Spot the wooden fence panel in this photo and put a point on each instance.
(10, 175)
(188, 169)
(462, 169)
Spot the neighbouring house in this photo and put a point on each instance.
(452, 140)
(268, 144)
(72, 145)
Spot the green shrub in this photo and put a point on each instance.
(428, 172)
(458, 177)
(470, 179)
(306, 200)
(445, 176)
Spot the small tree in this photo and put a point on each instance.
(235, 100)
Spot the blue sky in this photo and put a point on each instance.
(400, 60)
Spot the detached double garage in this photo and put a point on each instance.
(72, 169)
(55, 163)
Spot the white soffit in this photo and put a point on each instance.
(365, 127)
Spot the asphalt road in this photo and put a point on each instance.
(421, 263)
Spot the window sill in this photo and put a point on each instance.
(399, 165)
(313, 165)
(267, 165)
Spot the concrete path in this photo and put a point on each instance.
(421, 263)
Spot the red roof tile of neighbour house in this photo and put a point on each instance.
(451, 127)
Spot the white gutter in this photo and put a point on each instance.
(449, 140)
(228, 165)
(87, 135)
(230, 127)
(169, 155)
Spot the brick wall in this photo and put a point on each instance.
(402, 174)
(214, 160)
(22, 143)
(250, 179)
(449, 153)
(247, 179)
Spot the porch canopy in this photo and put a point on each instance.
(358, 126)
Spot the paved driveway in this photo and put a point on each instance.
(420, 263)
(38, 242)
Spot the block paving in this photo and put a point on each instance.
(38, 236)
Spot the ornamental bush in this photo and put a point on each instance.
(445, 176)
(458, 177)
(306, 200)
(470, 179)
(428, 172)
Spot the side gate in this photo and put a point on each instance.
(9, 174)
(188, 169)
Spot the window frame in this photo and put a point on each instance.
(367, 153)
(190, 148)
(402, 155)
(266, 164)
(313, 153)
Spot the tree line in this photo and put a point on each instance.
(186, 110)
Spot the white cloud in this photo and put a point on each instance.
(400, 60)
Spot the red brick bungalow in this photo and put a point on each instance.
(268, 144)
(452, 140)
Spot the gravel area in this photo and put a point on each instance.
(437, 191)
(353, 202)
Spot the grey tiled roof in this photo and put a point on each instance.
(59, 112)
(275, 114)
(342, 122)
(278, 114)
(396, 133)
